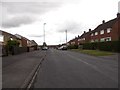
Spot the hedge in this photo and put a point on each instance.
(113, 46)
(72, 47)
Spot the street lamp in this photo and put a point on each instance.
(66, 36)
(44, 31)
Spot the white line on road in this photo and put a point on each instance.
(93, 66)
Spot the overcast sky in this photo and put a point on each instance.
(26, 17)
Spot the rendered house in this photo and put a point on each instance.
(5, 36)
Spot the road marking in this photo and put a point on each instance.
(93, 66)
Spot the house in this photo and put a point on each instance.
(24, 41)
(5, 36)
(34, 43)
(73, 41)
(84, 38)
(107, 31)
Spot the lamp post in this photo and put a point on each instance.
(66, 36)
(44, 31)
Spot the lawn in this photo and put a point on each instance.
(94, 52)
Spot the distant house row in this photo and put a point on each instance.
(107, 31)
(25, 45)
(24, 42)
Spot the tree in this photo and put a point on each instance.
(44, 44)
(11, 44)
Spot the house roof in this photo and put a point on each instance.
(19, 36)
(33, 42)
(3, 32)
(105, 25)
(84, 34)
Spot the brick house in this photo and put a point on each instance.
(84, 38)
(73, 41)
(107, 31)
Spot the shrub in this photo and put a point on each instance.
(72, 47)
(104, 46)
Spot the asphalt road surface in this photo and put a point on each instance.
(67, 69)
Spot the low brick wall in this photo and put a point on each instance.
(3, 51)
(18, 50)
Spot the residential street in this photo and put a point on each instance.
(67, 69)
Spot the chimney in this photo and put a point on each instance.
(89, 30)
(118, 15)
(103, 21)
(84, 32)
(78, 36)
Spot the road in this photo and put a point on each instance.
(68, 69)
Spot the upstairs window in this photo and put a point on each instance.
(96, 33)
(92, 34)
(109, 30)
(102, 32)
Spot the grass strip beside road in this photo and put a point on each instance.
(94, 52)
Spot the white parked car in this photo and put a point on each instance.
(44, 48)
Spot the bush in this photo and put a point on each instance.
(72, 47)
(113, 46)
(11, 44)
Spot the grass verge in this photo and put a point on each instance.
(94, 52)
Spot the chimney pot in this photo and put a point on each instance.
(89, 30)
(118, 15)
(103, 21)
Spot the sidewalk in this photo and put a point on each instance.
(18, 70)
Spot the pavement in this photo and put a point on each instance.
(18, 70)
(66, 69)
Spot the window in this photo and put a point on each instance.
(96, 33)
(72, 43)
(96, 40)
(1, 38)
(92, 40)
(11, 38)
(109, 30)
(108, 39)
(92, 34)
(102, 39)
(102, 32)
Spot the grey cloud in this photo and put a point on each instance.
(31, 8)
(119, 6)
(16, 21)
(38, 36)
(71, 27)
(21, 10)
